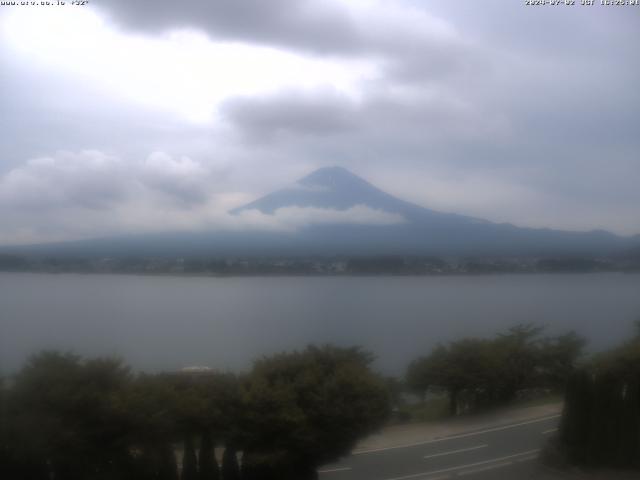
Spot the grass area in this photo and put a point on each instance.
(437, 408)
(547, 399)
(433, 409)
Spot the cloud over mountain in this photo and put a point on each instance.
(89, 193)
(328, 212)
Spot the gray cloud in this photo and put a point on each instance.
(94, 180)
(64, 113)
(293, 218)
(292, 113)
(412, 43)
(490, 109)
(182, 179)
(289, 23)
(388, 122)
(88, 179)
(83, 194)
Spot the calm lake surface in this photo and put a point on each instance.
(169, 322)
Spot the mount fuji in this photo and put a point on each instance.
(391, 226)
(422, 231)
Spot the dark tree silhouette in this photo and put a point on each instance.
(189, 460)
(67, 418)
(601, 420)
(167, 468)
(207, 464)
(230, 468)
(308, 408)
(477, 372)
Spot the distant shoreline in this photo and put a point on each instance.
(338, 266)
(314, 275)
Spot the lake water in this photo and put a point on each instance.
(170, 322)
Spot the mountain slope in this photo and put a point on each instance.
(425, 231)
(334, 189)
(338, 189)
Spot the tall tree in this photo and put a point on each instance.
(427, 372)
(230, 467)
(518, 358)
(189, 460)
(307, 408)
(601, 420)
(167, 467)
(479, 372)
(574, 426)
(67, 411)
(207, 464)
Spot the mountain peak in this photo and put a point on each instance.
(331, 177)
(328, 187)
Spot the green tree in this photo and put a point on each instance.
(601, 420)
(153, 426)
(558, 359)
(426, 372)
(518, 357)
(230, 467)
(189, 460)
(483, 372)
(66, 416)
(167, 468)
(463, 369)
(307, 408)
(207, 464)
(574, 426)
(176, 408)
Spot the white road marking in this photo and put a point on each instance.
(484, 469)
(527, 459)
(551, 430)
(455, 437)
(456, 451)
(332, 470)
(462, 467)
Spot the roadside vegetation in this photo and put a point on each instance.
(473, 374)
(601, 422)
(68, 418)
(600, 425)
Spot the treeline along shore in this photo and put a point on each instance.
(369, 265)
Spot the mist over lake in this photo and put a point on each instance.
(157, 323)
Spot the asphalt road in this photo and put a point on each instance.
(501, 452)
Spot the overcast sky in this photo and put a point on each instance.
(130, 116)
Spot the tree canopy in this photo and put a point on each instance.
(67, 417)
(601, 421)
(307, 408)
(476, 372)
